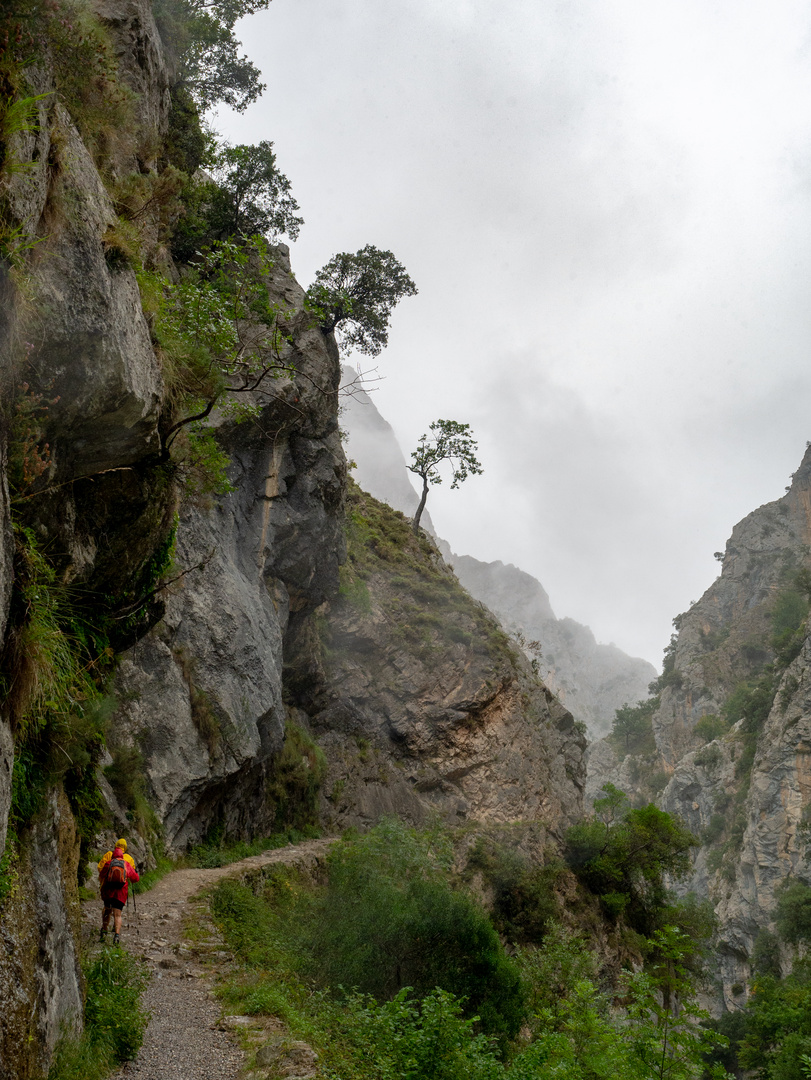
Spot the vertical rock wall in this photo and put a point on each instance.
(201, 695)
(41, 994)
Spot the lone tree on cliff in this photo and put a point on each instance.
(357, 293)
(449, 441)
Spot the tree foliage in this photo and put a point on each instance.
(632, 730)
(220, 340)
(390, 919)
(356, 294)
(449, 441)
(209, 63)
(794, 912)
(623, 855)
(248, 196)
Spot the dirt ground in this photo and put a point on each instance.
(186, 1039)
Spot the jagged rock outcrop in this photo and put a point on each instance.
(592, 680)
(420, 701)
(724, 637)
(201, 695)
(733, 731)
(770, 808)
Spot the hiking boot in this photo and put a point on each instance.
(103, 936)
(116, 939)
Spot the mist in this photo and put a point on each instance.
(606, 207)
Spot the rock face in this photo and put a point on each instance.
(40, 978)
(420, 701)
(724, 638)
(744, 789)
(770, 814)
(591, 680)
(6, 740)
(202, 693)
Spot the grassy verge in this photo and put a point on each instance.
(115, 1021)
(390, 970)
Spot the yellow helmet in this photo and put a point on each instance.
(122, 843)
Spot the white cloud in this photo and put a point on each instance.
(607, 208)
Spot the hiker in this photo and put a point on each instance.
(116, 871)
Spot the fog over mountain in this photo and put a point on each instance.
(591, 679)
(606, 209)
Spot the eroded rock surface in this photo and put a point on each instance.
(420, 701)
(40, 979)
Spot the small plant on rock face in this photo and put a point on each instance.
(29, 454)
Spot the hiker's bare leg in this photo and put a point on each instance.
(105, 918)
(117, 921)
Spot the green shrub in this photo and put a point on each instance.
(709, 757)
(524, 900)
(793, 918)
(389, 919)
(295, 780)
(428, 1039)
(632, 732)
(710, 727)
(115, 1020)
(766, 954)
(623, 854)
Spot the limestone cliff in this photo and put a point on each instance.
(159, 639)
(732, 729)
(201, 694)
(420, 701)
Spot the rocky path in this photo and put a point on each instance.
(185, 1039)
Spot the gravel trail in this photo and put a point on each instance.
(185, 1039)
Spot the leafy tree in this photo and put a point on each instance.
(666, 1028)
(577, 1032)
(449, 441)
(356, 294)
(632, 725)
(253, 196)
(778, 1026)
(623, 856)
(209, 64)
(249, 196)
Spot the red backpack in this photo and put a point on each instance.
(115, 875)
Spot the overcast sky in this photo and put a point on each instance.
(606, 206)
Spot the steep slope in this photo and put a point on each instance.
(592, 680)
(420, 701)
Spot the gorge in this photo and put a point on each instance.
(212, 631)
